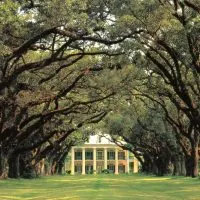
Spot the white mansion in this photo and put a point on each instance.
(101, 154)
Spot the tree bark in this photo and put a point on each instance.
(162, 166)
(148, 165)
(188, 165)
(60, 167)
(179, 166)
(2, 164)
(195, 160)
(13, 162)
(61, 162)
(183, 170)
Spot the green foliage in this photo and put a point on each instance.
(29, 173)
(105, 171)
(68, 171)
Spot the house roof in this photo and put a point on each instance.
(99, 139)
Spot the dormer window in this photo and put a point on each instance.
(98, 139)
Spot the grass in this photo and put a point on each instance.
(105, 187)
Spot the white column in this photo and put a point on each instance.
(83, 160)
(135, 167)
(116, 161)
(127, 162)
(72, 161)
(105, 158)
(94, 159)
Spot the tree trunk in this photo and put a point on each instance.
(183, 170)
(41, 167)
(13, 162)
(1, 163)
(188, 165)
(147, 167)
(161, 167)
(147, 164)
(3, 171)
(195, 160)
(53, 168)
(61, 163)
(154, 168)
(60, 167)
(179, 167)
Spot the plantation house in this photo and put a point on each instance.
(100, 154)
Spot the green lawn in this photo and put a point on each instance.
(105, 187)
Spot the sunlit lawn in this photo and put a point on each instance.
(105, 187)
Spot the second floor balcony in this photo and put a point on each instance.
(89, 155)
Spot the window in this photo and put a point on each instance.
(111, 168)
(111, 155)
(98, 139)
(100, 155)
(121, 169)
(100, 168)
(78, 168)
(88, 169)
(88, 155)
(78, 155)
(121, 155)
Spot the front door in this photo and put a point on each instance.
(99, 168)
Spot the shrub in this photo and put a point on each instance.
(29, 173)
(90, 171)
(105, 171)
